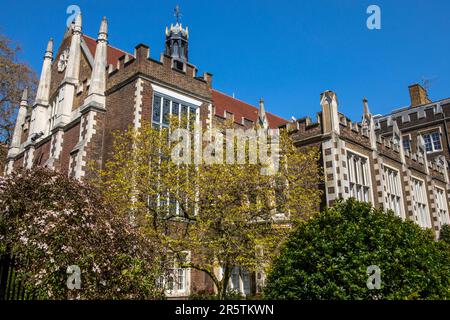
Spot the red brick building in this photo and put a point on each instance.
(89, 89)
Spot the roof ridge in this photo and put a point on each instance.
(109, 45)
(256, 108)
(227, 95)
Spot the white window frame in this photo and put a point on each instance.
(430, 134)
(441, 206)
(180, 289)
(181, 100)
(394, 191)
(358, 188)
(420, 203)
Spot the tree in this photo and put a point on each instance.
(15, 76)
(3, 155)
(445, 234)
(50, 222)
(328, 258)
(224, 215)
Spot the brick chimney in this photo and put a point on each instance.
(418, 95)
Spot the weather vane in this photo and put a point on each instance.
(177, 13)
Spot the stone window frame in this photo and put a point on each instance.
(430, 132)
(398, 190)
(421, 208)
(172, 100)
(367, 186)
(409, 140)
(441, 206)
(178, 272)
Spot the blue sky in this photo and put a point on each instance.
(285, 51)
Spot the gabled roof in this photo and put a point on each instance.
(241, 109)
(113, 53)
(221, 101)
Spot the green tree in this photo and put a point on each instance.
(328, 256)
(223, 214)
(49, 222)
(445, 234)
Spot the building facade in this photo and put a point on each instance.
(89, 89)
(397, 162)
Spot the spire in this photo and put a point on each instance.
(262, 115)
(43, 91)
(367, 116)
(20, 120)
(24, 100)
(98, 77)
(177, 39)
(330, 114)
(77, 27)
(103, 28)
(369, 124)
(73, 63)
(49, 50)
(366, 107)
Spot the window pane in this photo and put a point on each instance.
(436, 141)
(428, 144)
(175, 108)
(192, 117)
(166, 111)
(184, 113)
(157, 109)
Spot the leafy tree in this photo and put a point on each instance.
(3, 155)
(15, 76)
(50, 222)
(328, 256)
(445, 234)
(223, 214)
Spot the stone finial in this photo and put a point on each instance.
(50, 46)
(103, 32)
(49, 49)
(330, 115)
(77, 27)
(24, 99)
(262, 114)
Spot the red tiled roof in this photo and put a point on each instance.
(221, 101)
(240, 110)
(113, 54)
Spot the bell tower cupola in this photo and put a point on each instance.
(177, 39)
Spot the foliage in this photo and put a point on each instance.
(222, 214)
(328, 256)
(3, 155)
(49, 222)
(15, 76)
(445, 234)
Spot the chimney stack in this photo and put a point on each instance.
(418, 95)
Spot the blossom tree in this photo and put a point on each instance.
(55, 225)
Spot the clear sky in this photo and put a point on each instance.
(285, 51)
